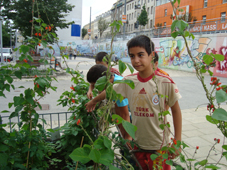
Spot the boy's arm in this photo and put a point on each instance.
(177, 123)
(90, 106)
(89, 93)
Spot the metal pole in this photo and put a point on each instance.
(16, 45)
(10, 37)
(126, 20)
(2, 59)
(90, 24)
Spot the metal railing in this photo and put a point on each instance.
(52, 120)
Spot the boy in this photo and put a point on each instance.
(145, 104)
(121, 108)
(156, 65)
(98, 60)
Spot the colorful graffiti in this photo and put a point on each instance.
(172, 52)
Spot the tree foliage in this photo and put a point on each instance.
(84, 32)
(143, 18)
(102, 26)
(6, 34)
(51, 12)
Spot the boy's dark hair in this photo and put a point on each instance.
(99, 57)
(95, 72)
(141, 41)
(155, 57)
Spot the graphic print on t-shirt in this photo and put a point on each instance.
(142, 91)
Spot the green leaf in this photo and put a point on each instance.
(211, 120)
(219, 57)
(210, 72)
(5, 111)
(9, 79)
(122, 66)
(44, 43)
(24, 49)
(29, 58)
(165, 156)
(173, 26)
(181, 25)
(207, 59)
(3, 159)
(41, 81)
(101, 83)
(191, 160)
(162, 126)
(153, 157)
(111, 167)
(221, 96)
(18, 100)
(107, 142)
(174, 34)
(203, 162)
(129, 128)
(169, 162)
(130, 68)
(178, 2)
(203, 69)
(128, 82)
(186, 33)
(95, 155)
(10, 105)
(18, 74)
(107, 156)
(182, 158)
(184, 145)
(50, 130)
(211, 166)
(3, 148)
(80, 154)
(117, 117)
(99, 144)
(224, 147)
(220, 114)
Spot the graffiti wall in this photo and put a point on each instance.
(172, 52)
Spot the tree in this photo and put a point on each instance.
(143, 18)
(84, 32)
(102, 26)
(51, 12)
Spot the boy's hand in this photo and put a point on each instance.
(90, 106)
(89, 94)
(176, 154)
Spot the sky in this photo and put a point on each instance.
(97, 7)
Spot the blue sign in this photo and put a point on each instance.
(75, 30)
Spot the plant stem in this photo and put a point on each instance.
(87, 134)
(80, 147)
(29, 144)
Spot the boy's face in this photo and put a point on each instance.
(140, 59)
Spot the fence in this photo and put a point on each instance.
(53, 120)
(216, 26)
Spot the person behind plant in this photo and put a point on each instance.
(121, 108)
(156, 65)
(99, 60)
(145, 103)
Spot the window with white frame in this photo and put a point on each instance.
(152, 10)
(131, 27)
(151, 22)
(148, 10)
(204, 19)
(165, 12)
(223, 15)
(132, 15)
(205, 3)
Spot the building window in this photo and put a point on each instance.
(151, 22)
(224, 1)
(132, 15)
(135, 15)
(127, 7)
(165, 12)
(205, 3)
(129, 16)
(132, 5)
(204, 19)
(148, 10)
(132, 27)
(141, 2)
(223, 15)
(138, 2)
(164, 24)
(148, 1)
(151, 9)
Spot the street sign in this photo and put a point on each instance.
(124, 18)
(89, 31)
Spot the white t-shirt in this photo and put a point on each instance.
(145, 105)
